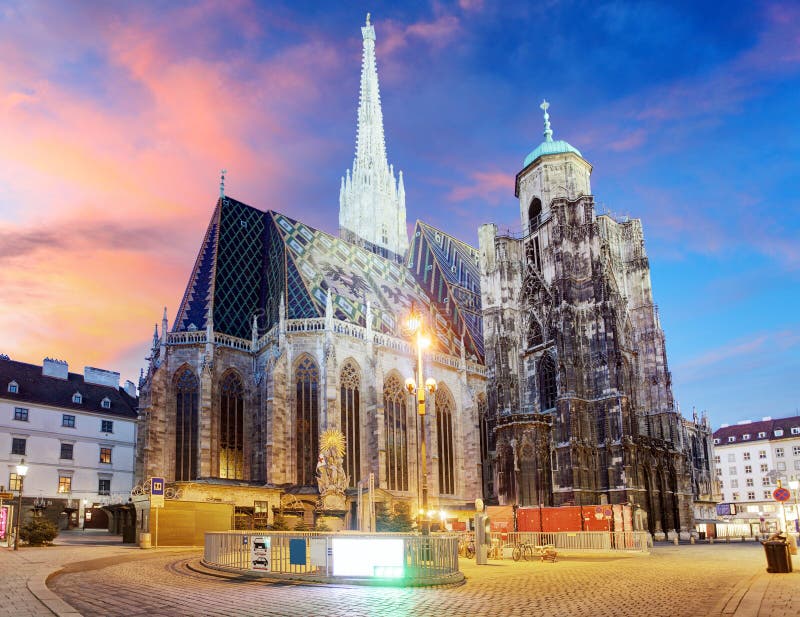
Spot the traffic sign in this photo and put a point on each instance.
(156, 492)
(6, 495)
(781, 494)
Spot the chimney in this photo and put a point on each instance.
(130, 388)
(101, 377)
(55, 368)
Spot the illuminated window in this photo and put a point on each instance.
(307, 414)
(394, 420)
(444, 435)
(349, 391)
(547, 383)
(186, 425)
(105, 455)
(231, 428)
(14, 480)
(64, 484)
(21, 414)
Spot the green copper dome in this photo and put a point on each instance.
(548, 146)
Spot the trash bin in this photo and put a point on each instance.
(144, 540)
(778, 559)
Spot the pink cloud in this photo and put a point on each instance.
(631, 141)
(471, 6)
(107, 196)
(490, 186)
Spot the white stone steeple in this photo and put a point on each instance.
(372, 204)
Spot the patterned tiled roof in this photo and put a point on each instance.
(36, 388)
(448, 271)
(250, 257)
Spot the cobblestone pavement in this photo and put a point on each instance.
(701, 580)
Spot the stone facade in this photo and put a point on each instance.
(579, 406)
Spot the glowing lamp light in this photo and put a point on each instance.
(414, 322)
(423, 340)
(22, 468)
(430, 385)
(411, 385)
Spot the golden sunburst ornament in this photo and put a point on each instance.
(334, 440)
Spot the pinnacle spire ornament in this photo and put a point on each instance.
(548, 132)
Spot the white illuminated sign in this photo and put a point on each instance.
(378, 557)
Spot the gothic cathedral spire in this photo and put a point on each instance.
(372, 205)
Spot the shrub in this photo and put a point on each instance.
(301, 525)
(321, 525)
(279, 523)
(38, 531)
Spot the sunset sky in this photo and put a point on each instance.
(116, 117)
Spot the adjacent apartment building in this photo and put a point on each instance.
(76, 433)
(750, 459)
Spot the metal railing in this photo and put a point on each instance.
(587, 541)
(427, 560)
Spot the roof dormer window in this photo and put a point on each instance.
(746, 436)
(731, 439)
(77, 398)
(796, 430)
(778, 432)
(106, 403)
(13, 387)
(761, 435)
(716, 441)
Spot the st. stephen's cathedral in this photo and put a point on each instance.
(553, 384)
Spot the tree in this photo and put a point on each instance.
(38, 531)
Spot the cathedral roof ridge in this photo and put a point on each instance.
(466, 245)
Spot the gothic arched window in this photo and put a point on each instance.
(547, 383)
(307, 418)
(186, 425)
(231, 428)
(444, 436)
(534, 210)
(394, 414)
(535, 336)
(350, 381)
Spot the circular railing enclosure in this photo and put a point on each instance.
(343, 557)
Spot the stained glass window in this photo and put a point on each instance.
(396, 430)
(186, 425)
(444, 436)
(350, 381)
(307, 409)
(231, 428)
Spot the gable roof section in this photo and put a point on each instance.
(35, 388)
(194, 307)
(738, 431)
(448, 271)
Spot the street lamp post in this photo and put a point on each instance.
(22, 469)
(415, 328)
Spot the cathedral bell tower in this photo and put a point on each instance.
(554, 169)
(372, 203)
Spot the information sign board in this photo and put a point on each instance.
(156, 492)
(260, 553)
